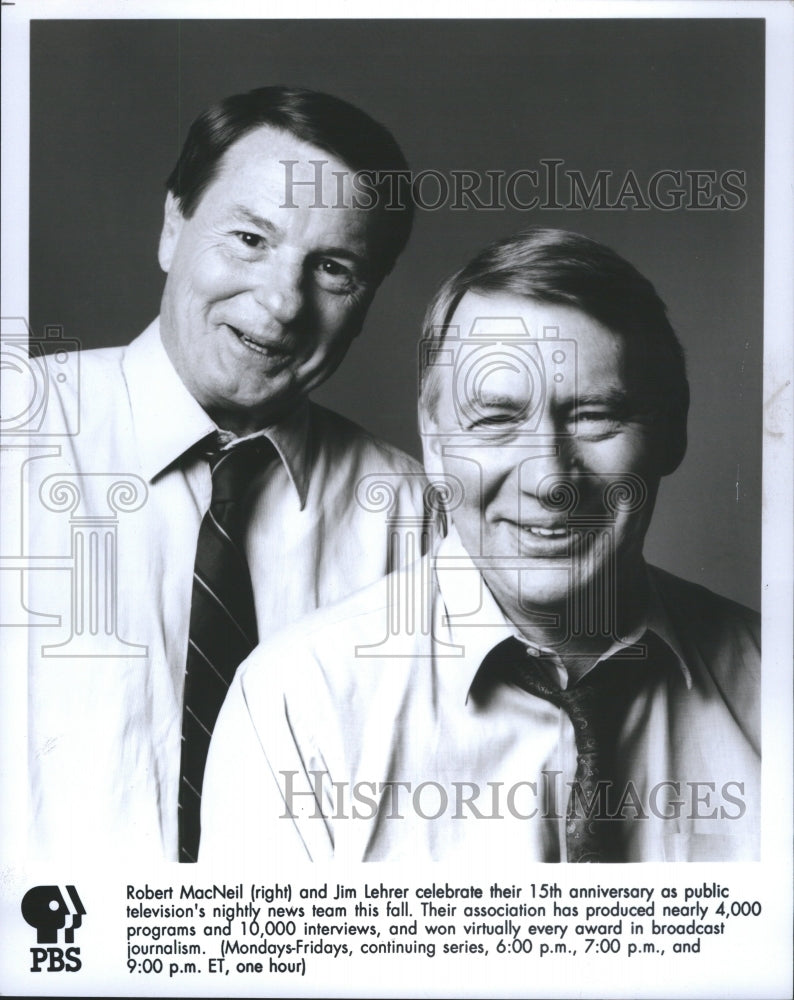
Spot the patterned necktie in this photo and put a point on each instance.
(597, 708)
(222, 622)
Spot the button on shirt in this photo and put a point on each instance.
(113, 518)
(386, 741)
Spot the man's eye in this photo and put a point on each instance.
(334, 276)
(595, 416)
(252, 240)
(494, 422)
(495, 419)
(597, 423)
(333, 267)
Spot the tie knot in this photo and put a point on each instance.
(234, 468)
(598, 701)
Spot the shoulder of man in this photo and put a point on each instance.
(711, 614)
(345, 646)
(95, 360)
(338, 436)
(367, 476)
(78, 385)
(718, 636)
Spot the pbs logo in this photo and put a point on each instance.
(56, 914)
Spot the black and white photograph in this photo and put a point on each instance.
(397, 501)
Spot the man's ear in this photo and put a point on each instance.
(173, 220)
(441, 489)
(431, 446)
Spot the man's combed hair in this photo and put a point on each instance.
(344, 131)
(564, 268)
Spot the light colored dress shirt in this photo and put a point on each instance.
(113, 518)
(385, 704)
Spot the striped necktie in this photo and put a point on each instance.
(597, 707)
(222, 622)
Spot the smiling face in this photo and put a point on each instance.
(265, 292)
(529, 397)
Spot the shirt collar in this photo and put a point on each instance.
(168, 421)
(655, 622)
(658, 622)
(475, 620)
(477, 623)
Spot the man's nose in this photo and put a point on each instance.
(280, 288)
(545, 463)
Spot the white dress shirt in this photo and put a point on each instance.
(113, 517)
(387, 688)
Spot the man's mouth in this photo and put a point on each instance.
(264, 349)
(534, 529)
(552, 541)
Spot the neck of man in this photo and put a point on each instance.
(240, 423)
(580, 629)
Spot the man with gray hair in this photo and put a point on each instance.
(203, 501)
(533, 670)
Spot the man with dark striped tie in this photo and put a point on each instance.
(240, 505)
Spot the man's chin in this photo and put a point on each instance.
(536, 593)
(246, 412)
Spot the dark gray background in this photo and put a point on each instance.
(111, 102)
